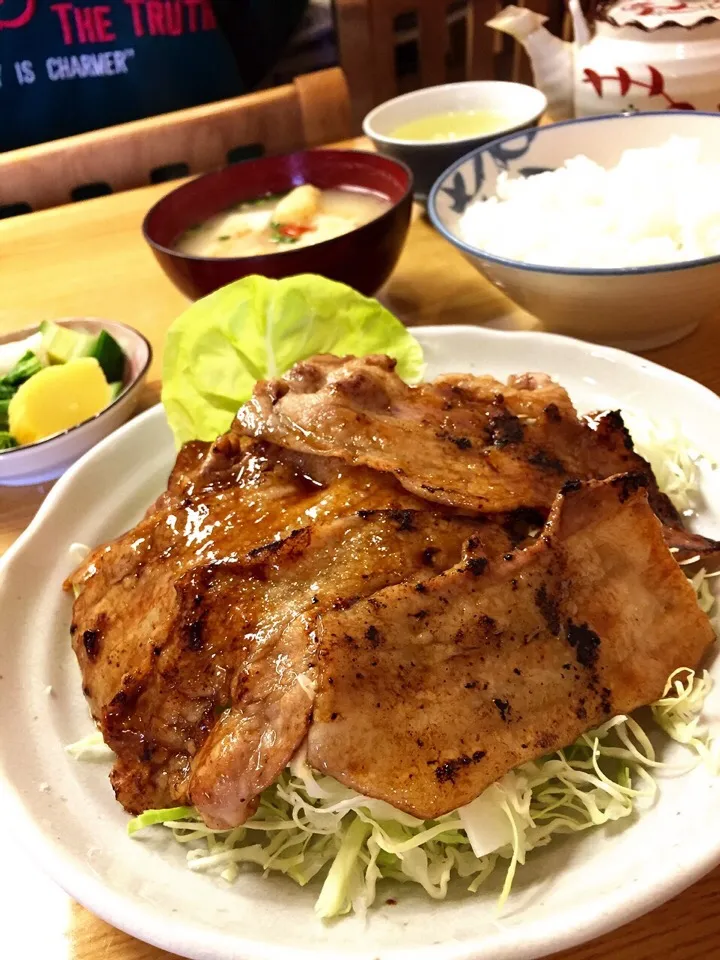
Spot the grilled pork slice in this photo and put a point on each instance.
(128, 601)
(227, 497)
(257, 618)
(427, 695)
(467, 442)
(188, 466)
(442, 442)
(172, 616)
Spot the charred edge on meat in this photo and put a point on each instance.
(629, 483)
(403, 519)
(446, 772)
(462, 443)
(91, 642)
(553, 413)
(344, 603)
(543, 460)
(429, 488)
(614, 422)
(548, 607)
(194, 630)
(505, 429)
(476, 565)
(585, 642)
(503, 708)
(570, 486)
(275, 545)
(545, 741)
(519, 522)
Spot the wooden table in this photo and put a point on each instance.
(90, 259)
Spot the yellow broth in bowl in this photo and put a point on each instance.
(272, 224)
(453, 125)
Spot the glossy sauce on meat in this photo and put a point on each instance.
(352, 564)
(171, 617)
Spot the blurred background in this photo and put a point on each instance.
(97, 98)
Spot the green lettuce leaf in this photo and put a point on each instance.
(257, 328)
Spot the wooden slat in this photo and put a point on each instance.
(369, 63)
(313, 110)
(355, 46)
(324, 106)
(433, 41)
(482, 41)
(381, 71)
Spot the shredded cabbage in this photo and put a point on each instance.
(679, 715)
(91, 747)
(152, 817)
(674, 461)
(307, 824)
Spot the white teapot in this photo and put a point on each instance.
(626, 55)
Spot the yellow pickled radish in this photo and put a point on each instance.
(56, 398)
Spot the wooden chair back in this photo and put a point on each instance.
(313, 110)
(388, 47)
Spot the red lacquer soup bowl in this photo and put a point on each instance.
(363, 258)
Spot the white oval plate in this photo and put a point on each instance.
(65, 813)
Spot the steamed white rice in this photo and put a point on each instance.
(658, 205)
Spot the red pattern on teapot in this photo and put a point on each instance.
(647, 8)
(655, 87)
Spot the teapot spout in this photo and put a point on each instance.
(550, 57)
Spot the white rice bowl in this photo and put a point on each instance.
(658, 205)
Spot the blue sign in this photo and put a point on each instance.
(68, 66)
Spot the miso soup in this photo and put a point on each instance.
(273, 224)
